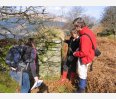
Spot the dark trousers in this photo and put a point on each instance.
(70, 66)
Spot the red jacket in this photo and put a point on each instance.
(86, 53)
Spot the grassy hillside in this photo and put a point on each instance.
(7, 85)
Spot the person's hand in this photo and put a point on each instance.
(36, 79)
(74, 54)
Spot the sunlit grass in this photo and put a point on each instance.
(7, 85)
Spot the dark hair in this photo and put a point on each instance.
(30, 41)
(79, 22)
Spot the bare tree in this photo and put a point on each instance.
(109, 19)
(76, 12)
(73, 13)
(90, 21)
(15, 20)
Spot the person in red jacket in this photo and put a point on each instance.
(85, 53)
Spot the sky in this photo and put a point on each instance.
(94, 11)
(93, 7)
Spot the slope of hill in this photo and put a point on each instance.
(103, 77)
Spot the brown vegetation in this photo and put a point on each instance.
(103, 77)
(101, 80)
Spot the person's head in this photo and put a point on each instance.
(79, 23)
(74, 33)
(30, 42)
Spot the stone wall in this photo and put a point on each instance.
(50, 55)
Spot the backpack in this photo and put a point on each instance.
(26, 58)
(27, 55)
(15, 57)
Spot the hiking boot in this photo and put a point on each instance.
(64, 77)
